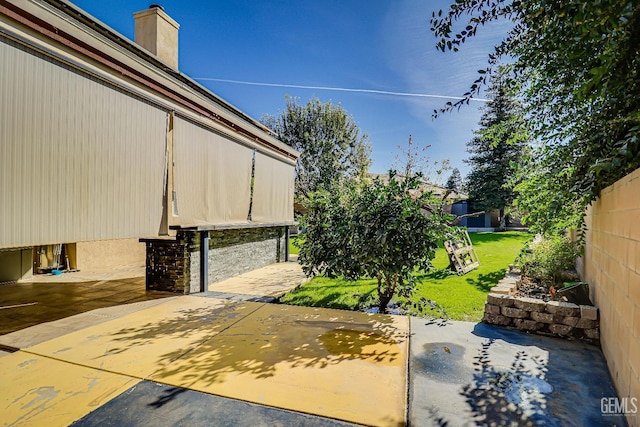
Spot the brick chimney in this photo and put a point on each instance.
(158, 33)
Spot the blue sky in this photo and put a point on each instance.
(379, 45)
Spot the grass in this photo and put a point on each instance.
(455, 297)
(292, 249)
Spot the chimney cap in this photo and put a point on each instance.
(151, 6)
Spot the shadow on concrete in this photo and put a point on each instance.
(437, 322)
(498, 396)
(30, 303)
(270, 340)
(146, 404)
(561, 388)
(167, 395)
(486, 376)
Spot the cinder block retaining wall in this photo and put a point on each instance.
(611, 266)
(556, 318)
(174, 264)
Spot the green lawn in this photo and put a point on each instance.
(292, 249)
(456, 297)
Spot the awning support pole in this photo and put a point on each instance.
(204, 260)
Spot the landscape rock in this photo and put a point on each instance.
(514, 312)
(501, 300)
(560, 329)
(587, 324)
(588, 312)
(528, 325)
(531, 314)
(530, 304)
(496, 319)
(563, 308)
(593, 334)
(491, 309)
(570, 321)
(542, 317)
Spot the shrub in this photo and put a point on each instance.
(378, 230)
(551, 261)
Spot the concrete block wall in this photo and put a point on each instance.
(561, 319)
(108, 254)
(611, 266)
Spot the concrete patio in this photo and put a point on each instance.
(464, 373)
(198, 360)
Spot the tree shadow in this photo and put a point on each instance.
(168, 395)
(437, 322)
(508, 396)
(517, 379)
(275, 339)
(437, 274)
(485, 281)
(563, 388)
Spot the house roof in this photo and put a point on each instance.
(426, 186)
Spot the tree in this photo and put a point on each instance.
(413, 159)
(454, 182)
(496, 146)
(576, 64)
(377, 230)
(331, 146)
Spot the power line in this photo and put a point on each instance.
(340, 89)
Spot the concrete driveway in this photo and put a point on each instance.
(201, 360)
(464, 373)
(334, 364)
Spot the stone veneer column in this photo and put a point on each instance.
(168, 262)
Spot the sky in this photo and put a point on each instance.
(255, 53)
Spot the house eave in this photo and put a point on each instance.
(80, 32)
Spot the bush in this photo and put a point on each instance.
(378, 230)
(551, 261)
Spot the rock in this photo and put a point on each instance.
(560, 329)
(587, 324)
(530, 304)
(589, 312)
(593, 334)
(514, 312)
(496, 319)
(542, 317)
(563, 308)
(528, 325)
(501, 300)
(491, 309)
(570, 321)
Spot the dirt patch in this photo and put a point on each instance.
(530, 289)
